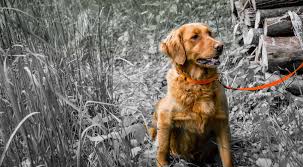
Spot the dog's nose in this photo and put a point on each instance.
(219, 48)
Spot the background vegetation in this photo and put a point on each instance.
(79, 80)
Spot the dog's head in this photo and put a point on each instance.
(193, 43)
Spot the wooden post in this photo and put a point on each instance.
(281, 53)
(279, 26)
(249, 17)
(267, 13)
(234, 14)
(270, 4)
(240, 10)
(252, 36)
(259, 49)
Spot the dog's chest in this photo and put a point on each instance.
(199, 126)
(187, 94)
(196, 119)
(197, 102)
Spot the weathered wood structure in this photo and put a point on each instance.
(268, 28)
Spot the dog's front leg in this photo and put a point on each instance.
(164, 131)
(223, 141)
(222, 130)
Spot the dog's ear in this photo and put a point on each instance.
(173, 47)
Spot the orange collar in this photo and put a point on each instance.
(193, 81)
(203, 81)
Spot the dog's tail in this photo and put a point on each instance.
(153, 127)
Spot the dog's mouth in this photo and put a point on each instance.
(208, 62)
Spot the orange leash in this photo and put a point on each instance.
(214, 78)
(274, 83)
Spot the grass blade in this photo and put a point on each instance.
(13, 134)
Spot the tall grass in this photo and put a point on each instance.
(58, 58)
(56, 61)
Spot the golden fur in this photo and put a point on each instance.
(190, 114)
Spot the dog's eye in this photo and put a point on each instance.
(195, 37)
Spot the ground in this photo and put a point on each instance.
(255, 117)
(79, 81)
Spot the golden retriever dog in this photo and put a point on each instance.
(191, 121)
